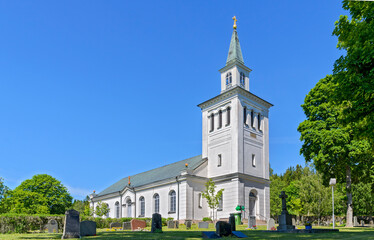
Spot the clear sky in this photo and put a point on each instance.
(94, 91)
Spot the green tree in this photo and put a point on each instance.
(363, 199)
(40, 194)
(332, 146)
(276, 186)
(102, 209)
(354, 72)
(294, 204)
(211, 196)
(4, 191)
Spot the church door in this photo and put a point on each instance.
(129, 208)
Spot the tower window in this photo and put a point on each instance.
(245, 115)
(228, 79)
(219, 162)
(242, 79)
(259, 121)
(252, 118)
(219, 119)
(253, 160)
(211, 122)
(228, 112)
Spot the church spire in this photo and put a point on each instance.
(235, 52)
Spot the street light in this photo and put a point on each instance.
(332, 184)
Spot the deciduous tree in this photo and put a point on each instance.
(211, 196)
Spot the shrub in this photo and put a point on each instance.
(21, 223)
(207, 219)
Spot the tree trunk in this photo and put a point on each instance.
(349, 198)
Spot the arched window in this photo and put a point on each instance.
(142, 206)
(242, 79)
(228, 79)
(228, 112)
(220, 203)
(117, 209)
(259, 121)
(219, 119)
(212, 122)
(245, 115)
(172, 202)
(107, 214)
(252, 118)
(156, 201)
(129, 208)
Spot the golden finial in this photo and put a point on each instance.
(234, 18)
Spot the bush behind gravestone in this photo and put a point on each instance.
(20, 223)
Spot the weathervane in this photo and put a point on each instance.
(234, 18)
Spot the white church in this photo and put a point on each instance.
(235, 154)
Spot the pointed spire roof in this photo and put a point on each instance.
(235, 52)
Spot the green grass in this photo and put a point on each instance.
(194, 233)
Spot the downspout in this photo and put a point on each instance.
(120, 204)
(176, 179)
(134, 201)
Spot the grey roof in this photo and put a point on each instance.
(235, 52)
(154, 175)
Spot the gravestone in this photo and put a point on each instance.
(270, 225)
(223, 229)
(71, 226)
(156, 223)
(188, 224)
(371, 222)
(173, 224)
(210, 235)
(285, 219)
(137, 224)
(232, 222)
(293, 221)
(126, 226)
(115, 225)
(355, 222)
(203, 225)
(88, 228)
(362, 223)
(52, 226)
(239, 234)
(251, 221)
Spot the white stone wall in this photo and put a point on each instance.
(230, 197)
(111, 202)
(262, 205)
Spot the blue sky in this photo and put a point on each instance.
(94, 91)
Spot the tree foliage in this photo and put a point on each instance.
(354, 72)
(102, 209)
(211, 196)
(42, 194)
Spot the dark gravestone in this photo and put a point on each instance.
(52, 226)
(156, 223)
(285, 219)
(115, 225)
(210, 235)
(232, 222)
(71, 226)
(239, 234)
(126, 226)
(223, 228)
(203, 225)
(188, 224)
(88, 228)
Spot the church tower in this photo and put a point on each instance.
(236, 138)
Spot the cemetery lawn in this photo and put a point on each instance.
(194, 233)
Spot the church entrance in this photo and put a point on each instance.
(129, 208)
(252, 203)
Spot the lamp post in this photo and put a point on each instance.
(332, 184)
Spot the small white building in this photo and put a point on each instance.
(235, 154)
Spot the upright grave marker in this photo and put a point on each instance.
(88, 228)
(71, 226)
(156, 223)
(52, 226)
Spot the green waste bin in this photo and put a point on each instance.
(238, 218)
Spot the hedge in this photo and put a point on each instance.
(20, 223)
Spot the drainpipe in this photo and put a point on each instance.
(176, 179)
(120, 204)
(134, 201)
